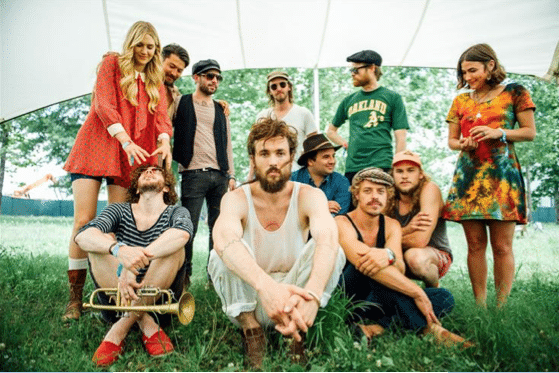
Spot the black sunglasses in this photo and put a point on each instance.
(211, 76)
(355, 70)
(274, 86)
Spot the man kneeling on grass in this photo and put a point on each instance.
(263, 267)
(374, 275)
(151, 233)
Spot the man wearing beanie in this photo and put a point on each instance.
(373, 113)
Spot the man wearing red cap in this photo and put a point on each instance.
(417, 203)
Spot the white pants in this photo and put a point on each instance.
(237, 296)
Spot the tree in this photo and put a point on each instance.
(42, 136)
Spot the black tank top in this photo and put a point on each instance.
(381, 239)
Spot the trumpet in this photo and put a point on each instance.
(184, 308)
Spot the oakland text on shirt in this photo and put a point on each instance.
(375, 106)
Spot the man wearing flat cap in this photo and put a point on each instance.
(279, 89)
(374, 273)
(373, 113)
(203, 149)
(317, 170)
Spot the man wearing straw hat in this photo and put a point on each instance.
(318, 162)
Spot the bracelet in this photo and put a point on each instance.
(504, 137)
(316, 298)
(116, 248)
(119, 269)
(125, 144)
(111, 247)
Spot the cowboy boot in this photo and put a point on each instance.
(76, 278)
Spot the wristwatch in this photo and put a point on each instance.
(391, 256)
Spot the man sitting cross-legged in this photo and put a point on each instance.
(149, 250)
(262, 267)
(375, 270)
(416, 202)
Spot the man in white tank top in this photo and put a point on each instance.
(263, 267)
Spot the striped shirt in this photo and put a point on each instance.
(118, 218)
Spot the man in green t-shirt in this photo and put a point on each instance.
(373, 113)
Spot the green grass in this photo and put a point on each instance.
(522, 337)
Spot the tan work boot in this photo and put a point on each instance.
(76, 278)
(254, 342)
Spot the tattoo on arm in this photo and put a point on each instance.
(232, 242)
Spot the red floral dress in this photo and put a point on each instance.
(488, 182)
(95, 152)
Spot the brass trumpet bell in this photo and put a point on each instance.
(184, 308)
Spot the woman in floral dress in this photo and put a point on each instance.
(487, 195)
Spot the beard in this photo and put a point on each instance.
(271, 186)
(410, 191)
(206, 90)
(151, 186)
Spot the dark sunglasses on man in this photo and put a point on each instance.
(274, 86)
(355, 70)
(211, 76)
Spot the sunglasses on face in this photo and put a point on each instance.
(154, 169)
(274, 86)
(355, 70)
(211, 76)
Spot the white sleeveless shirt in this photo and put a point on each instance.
(275, 251)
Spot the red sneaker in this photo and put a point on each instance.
(107, 353)
(158, 344)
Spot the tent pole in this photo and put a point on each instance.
(316, 97)
(106, 14)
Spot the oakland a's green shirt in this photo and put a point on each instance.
(372, 116)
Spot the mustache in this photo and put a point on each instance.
(273, 169)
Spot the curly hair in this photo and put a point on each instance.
(267, 128)
(170, 197)
(153, 70)
(394, 196)
(481, 53)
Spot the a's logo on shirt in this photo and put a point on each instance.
(376, 107)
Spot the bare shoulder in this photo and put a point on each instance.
(431, 193)
(311, 196)
(392, 225)
(234, 201)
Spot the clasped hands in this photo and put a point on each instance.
(132, 258)
(290, 307)
(477, 134)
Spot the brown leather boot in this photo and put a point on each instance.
(254, 342)
(76, 278)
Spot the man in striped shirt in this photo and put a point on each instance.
(151, 233)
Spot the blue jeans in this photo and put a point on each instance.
(390, 305)
(197, 185)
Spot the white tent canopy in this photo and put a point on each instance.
(50, 49)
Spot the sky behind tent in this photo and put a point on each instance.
(50, 49)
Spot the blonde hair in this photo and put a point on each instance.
(153, 70)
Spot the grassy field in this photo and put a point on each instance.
(522, 337)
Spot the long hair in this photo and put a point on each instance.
(481, 53)
(153, 71)
(271, 98)
(394, 196)
(170, 197)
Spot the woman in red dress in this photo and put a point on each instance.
(127, 125)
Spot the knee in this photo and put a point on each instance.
(502, 249)
(81, 219)
(476, 245)
(415, 263)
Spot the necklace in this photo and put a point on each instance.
(479, 100)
